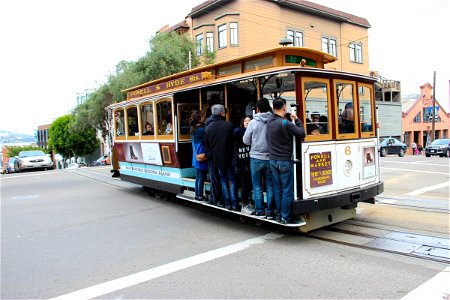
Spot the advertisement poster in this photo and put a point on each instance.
(320, 169)
(151, 153)
(133, 152)
(368, 162)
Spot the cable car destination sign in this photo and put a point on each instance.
(167, 85)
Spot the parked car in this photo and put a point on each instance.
(13, 165)
(103, 160)
(392, 146)
(34, 159)
(439, 147)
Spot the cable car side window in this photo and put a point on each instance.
(132, 122)
(366, 112)
(164, 119)
(147, 121)
(119, 123)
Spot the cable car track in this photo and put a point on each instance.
(409, 244)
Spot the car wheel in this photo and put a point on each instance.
(401, 153)
(427, 155)
(383, 152)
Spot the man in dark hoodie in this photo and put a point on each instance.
(279, 136)
(220, 142)
(256, 136)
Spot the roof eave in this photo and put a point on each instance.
(319, 12)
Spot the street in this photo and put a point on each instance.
(81, 234)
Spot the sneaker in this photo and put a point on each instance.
(235, 208)
(260, 214)
(248, 210)
(270, 216)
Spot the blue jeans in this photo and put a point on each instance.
(215, 183)
(283, 184)
(261, 169)
(229, 187)
(199, 182)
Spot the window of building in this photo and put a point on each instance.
(210, 42)
(147, 120)
(356, 53)
(199, 44)
(296, 37)
(132, 121)
(222, 33)
(164, 118)
(329, 46)
(234, 34)
(418, 118)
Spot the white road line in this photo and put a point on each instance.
(435, 288)
(427, 189)
(137, 278)
(26, 175)
(420, 162)
(417, 171)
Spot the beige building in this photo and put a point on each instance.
(241, 27)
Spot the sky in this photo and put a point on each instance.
(53, 49)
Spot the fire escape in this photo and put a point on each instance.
(386, 90)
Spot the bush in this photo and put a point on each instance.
(14, 150)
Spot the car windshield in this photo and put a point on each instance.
(31, 153)
(440, 142)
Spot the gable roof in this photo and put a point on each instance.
(301, 5)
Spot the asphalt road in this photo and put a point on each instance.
(81, 230)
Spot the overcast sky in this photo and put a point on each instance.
(52, 49)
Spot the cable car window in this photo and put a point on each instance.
(365, 109)
(345, 106)
(119, 118)
(184, 114)
(147, 120)
(132, 121)
(316, 99)
(164, 117)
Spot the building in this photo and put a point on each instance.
(42, 135)
(83, 95)
(417, 118)
(233, 28)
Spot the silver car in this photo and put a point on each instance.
(34, 159)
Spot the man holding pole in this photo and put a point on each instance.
(281, 136)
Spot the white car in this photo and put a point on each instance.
(34, 159)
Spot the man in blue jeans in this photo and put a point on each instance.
(256, 136)
(220, 143)
(279, 136)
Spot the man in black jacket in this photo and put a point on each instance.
(220, 143)
(279, 137)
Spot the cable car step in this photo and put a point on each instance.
(190, 198)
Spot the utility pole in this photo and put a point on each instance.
(433, 114)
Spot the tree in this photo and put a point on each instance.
(68, 140)
(169, 54)
(59, 134)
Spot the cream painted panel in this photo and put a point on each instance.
(348, 164)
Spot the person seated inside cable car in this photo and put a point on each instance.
(313, 129)
(148, 129)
